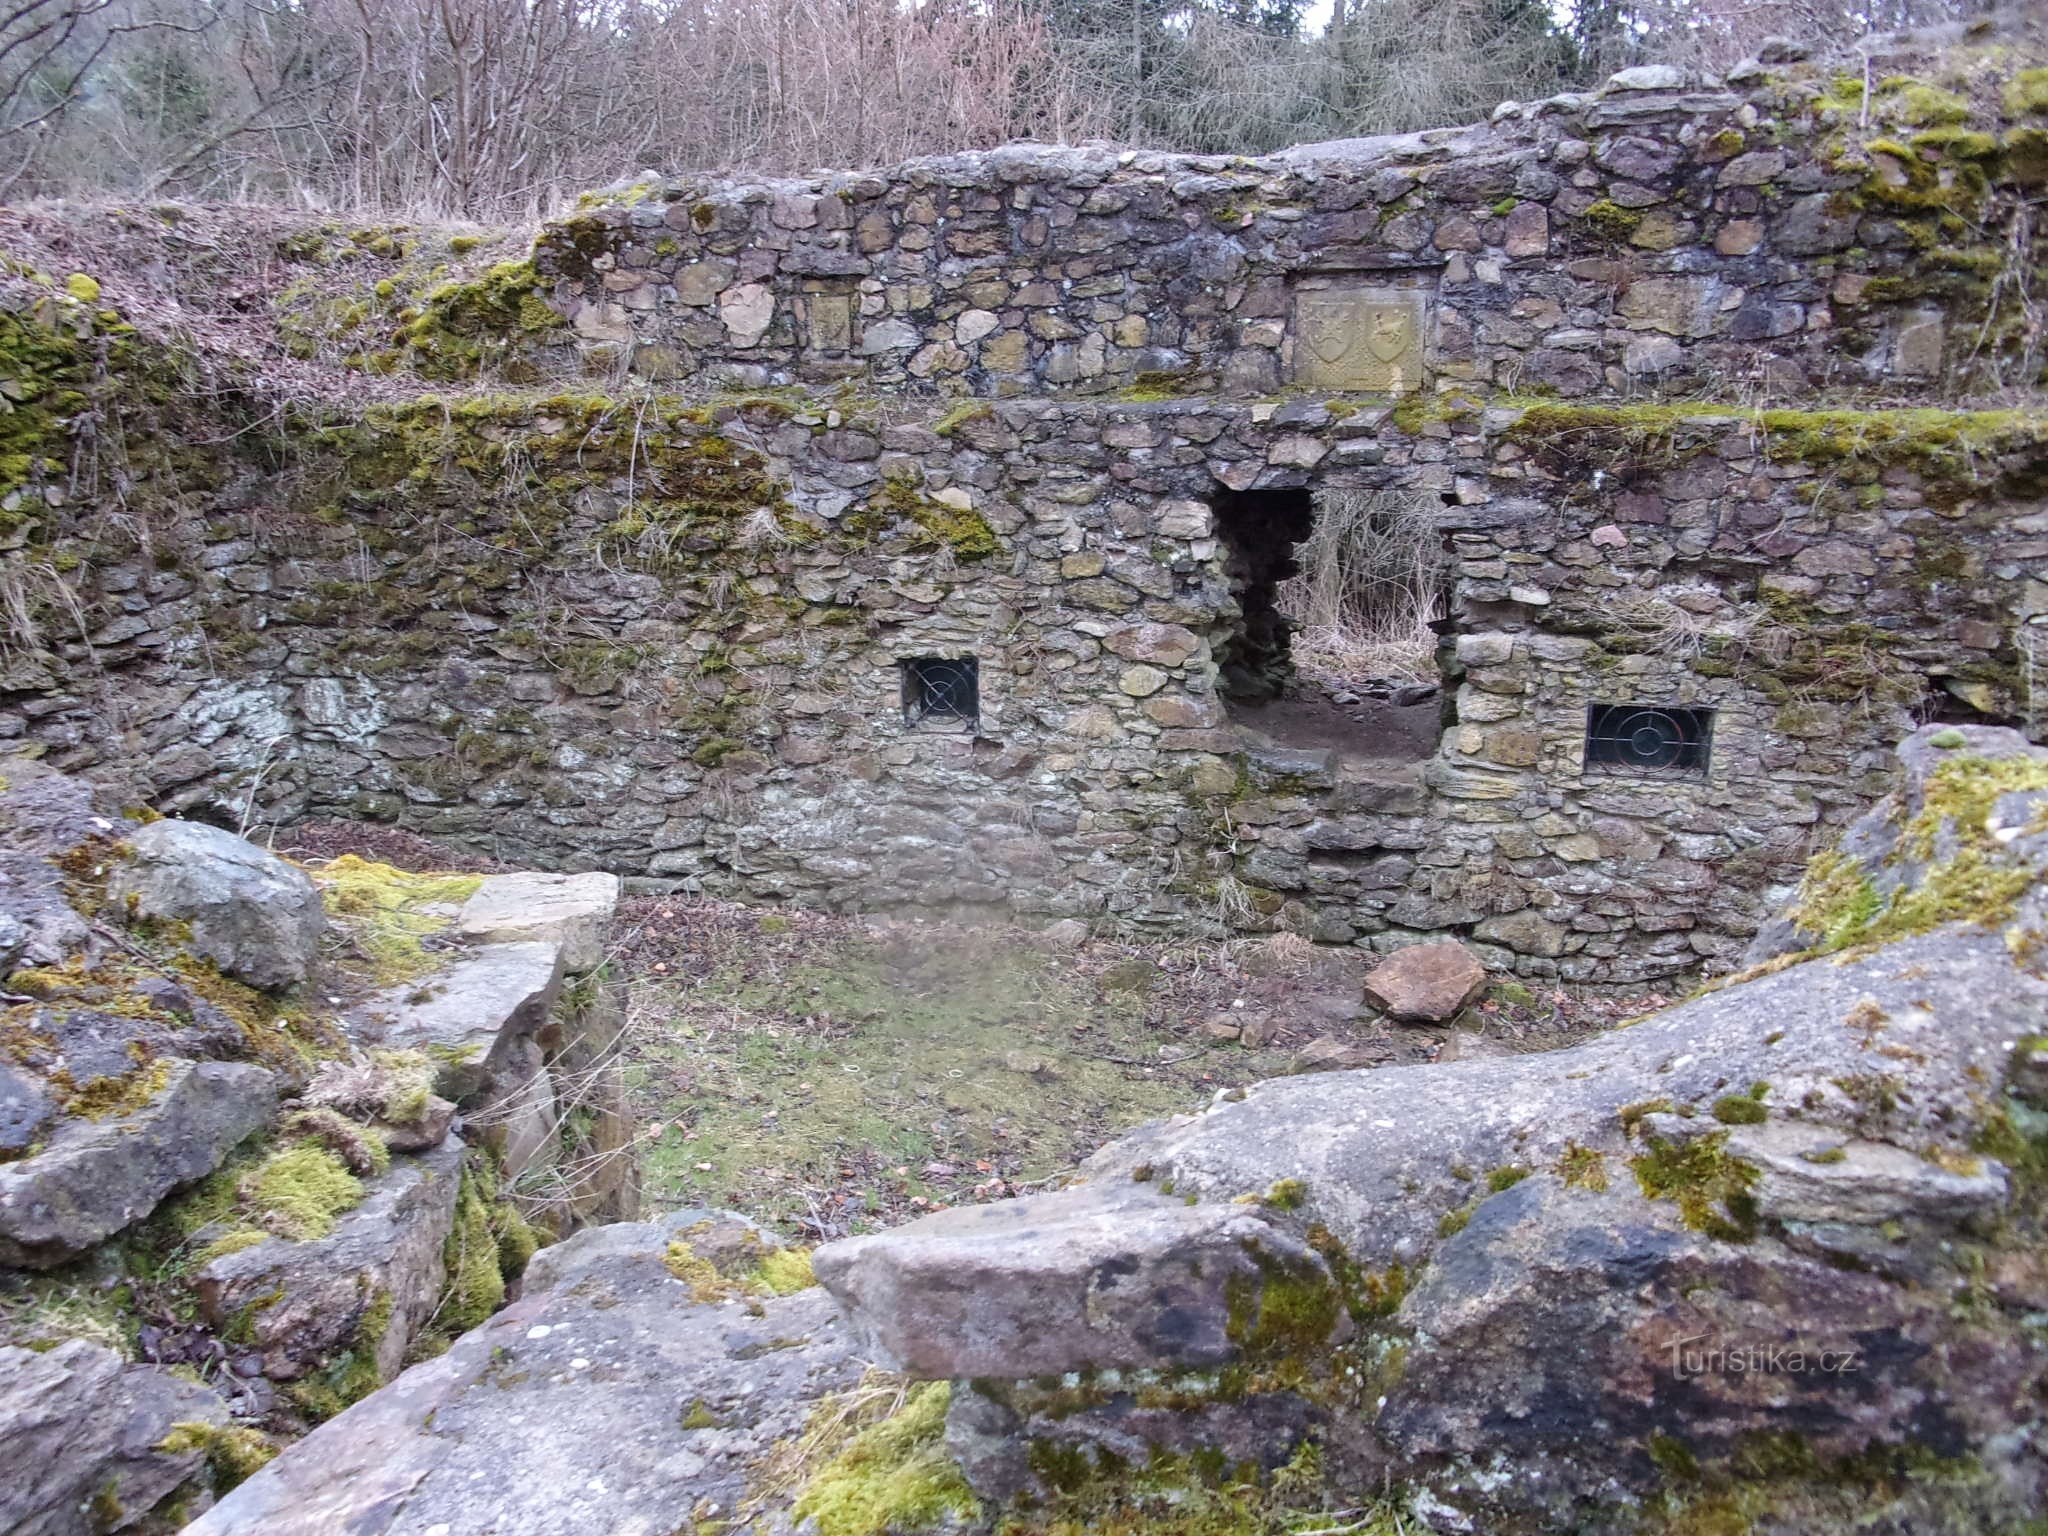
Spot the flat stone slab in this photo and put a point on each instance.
(97, 1177)
(603, 1402)
(574, 911)
(477, 1018)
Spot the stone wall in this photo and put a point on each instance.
(664, 630)
(692, 671)
(1770, 231)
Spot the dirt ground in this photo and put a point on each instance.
(1367, 728)
(832, 1075)
(836, 1075)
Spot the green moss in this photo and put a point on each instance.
(2026, 94)
(1452, 1222)
(388, 914)
(895, 1475)
(1612, 222)
(1920, 105)
(1632, 1116)
(353, 1375)
(1839, 902)
(1583, 1168)
(1711, 1188)
(462, 326)
(960, 415)
(300, 1192)
(361, 1148)
(1286, 1195)
(785, 1271)
(233, 1452)
(1963, 143)
(1948, 447)
(84, 288)
(1498, 1179)
(966, 532)
(1284, 1314)
(1152, 385)
(1739, 1109)
(472, 1254)
(109, 1098)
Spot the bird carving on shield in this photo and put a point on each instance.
(1389, 333)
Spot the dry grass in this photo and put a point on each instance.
(1372, 579)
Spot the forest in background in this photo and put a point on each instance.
(500, 109)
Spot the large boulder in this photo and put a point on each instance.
(1771, 1247)
(93, 1177)
(256, 917)
(608, 1399)
(85, 1437)
(303, 1305)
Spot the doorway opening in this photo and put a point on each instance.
(1339, 592)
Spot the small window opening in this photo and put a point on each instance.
(1338, 592)
(1649, 739)
(941, 690)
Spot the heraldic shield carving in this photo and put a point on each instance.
(1359, 338)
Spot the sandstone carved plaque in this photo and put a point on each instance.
(1359, 338)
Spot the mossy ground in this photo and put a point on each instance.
(804, 1065)
(387, 916)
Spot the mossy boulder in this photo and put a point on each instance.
(1825, 1155)
(253, 915)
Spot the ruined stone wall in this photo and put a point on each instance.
(661, 627)
(1660, 233)
(698, 678)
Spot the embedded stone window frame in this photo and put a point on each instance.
(941, 692)
(1649, 740)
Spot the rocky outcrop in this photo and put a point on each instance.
(573, 910)
(94, 1177)
(477, 1019)
(304, 1305)
(606, 1399)
(1572, 1289)
(256, 917)
(85, 1437)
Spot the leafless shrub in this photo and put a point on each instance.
(1371, 582)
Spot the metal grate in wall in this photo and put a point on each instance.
(1650, 739)
(941, 689)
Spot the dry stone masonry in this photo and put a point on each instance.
(939, 509)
